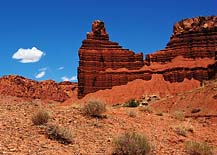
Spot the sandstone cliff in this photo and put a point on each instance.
(189, 54)
(96, 55)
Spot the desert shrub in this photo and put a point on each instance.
(61, 134)
(131, 143)
(94, 108)
(183, 129)
(195, 148)
(146, 109)
(179, 115)
(41, 117)
(131, 113)
(180, 130)
(131, 103)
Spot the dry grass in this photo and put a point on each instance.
(61, 134)
(41, 117)
(131, 113)
(94, 108)
(131, 143)
(196, 148)
(179, 115)
(183, 129)
(146, 109)
(180, 130)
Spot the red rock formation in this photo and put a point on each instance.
(21, 87)
(96, 55)
(104, 64)
(191, 38)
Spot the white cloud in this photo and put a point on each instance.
(60, 68)
(40, 75)
(73, 78)
(28, 55)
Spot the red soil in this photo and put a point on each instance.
(203, 98)
(94, 136)
(137, 88)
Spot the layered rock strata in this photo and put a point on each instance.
(97, 54)
(189, 54)
(191, 38)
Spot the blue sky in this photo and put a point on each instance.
(54, 30)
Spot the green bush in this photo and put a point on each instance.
(94, 108)
(61, 134)
(131, 143)
(195, 148)
(41, 117)
(131, 103)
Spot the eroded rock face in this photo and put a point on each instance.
(19, 86)
(104, 64)
(198, 24)
(97, 54)
(191, 38)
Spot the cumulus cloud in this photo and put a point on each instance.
(40, 75)
(28, 55)
(60, 68)
(73, 78)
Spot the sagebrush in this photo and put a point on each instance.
(131, 113)
(41, 117)
(94, 108)
(59, 133)
(197, 148)
(179, 115)
(146, 109)
(183, 130)
(131, 143)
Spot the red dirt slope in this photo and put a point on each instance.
(137, 88)
(203, 98)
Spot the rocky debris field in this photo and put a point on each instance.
(94, 136)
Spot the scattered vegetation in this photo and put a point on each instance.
(94, 108)
(131, 143)
(146, 109)
(183, 129)
(41, 117)
(61, 134)
(76, 106)
(180, 130)
(196, 148)
(131, 113)
(179, 115)
(131, 103)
